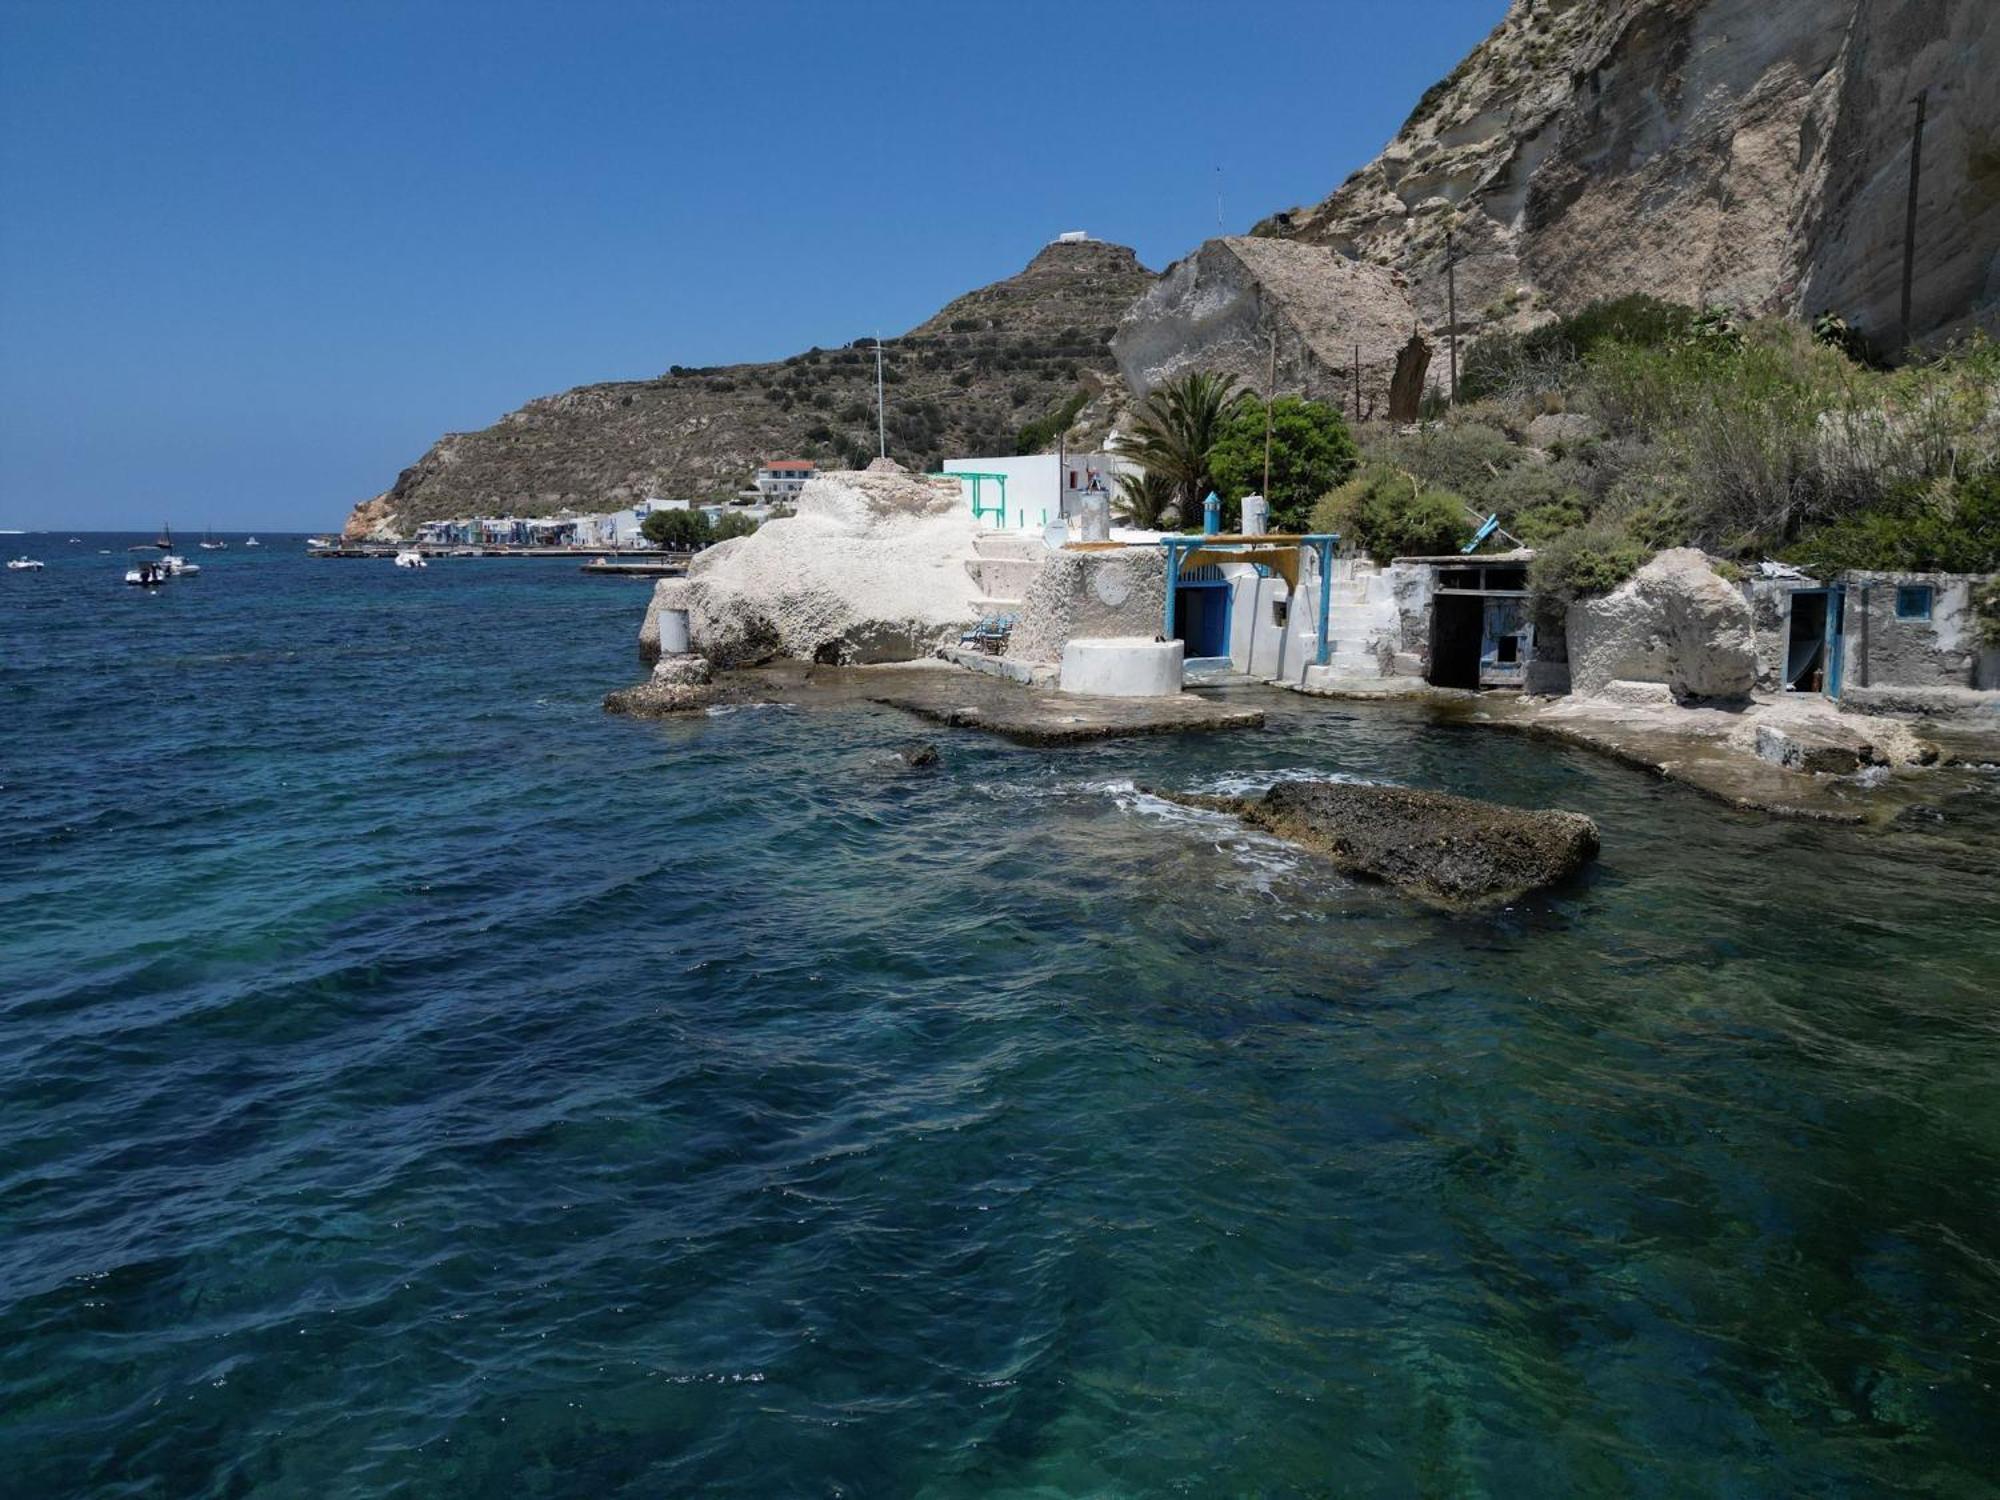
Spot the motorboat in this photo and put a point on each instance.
(176, 566)
(410, 557)
(148, 575)
(253, 542)
(24, 564)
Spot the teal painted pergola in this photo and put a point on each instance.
(1274, 551)
(980, 512)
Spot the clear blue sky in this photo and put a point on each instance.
(254, 257)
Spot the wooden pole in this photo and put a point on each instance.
(1910, 218)
(1451, 310)
(1270, 400)
(1357, 382)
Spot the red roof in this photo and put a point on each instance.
(788, 463)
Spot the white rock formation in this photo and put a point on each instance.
(1751, 152)
(1675, 621)
(872, 568)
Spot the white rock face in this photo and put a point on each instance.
(872, 568)
(1675, 621)
(1751, 152)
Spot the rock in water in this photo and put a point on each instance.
(925, 754)
(1448, 848)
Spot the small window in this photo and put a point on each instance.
(1510, 649)
(1281, 610)
(1913, 601)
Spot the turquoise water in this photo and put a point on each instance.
(418, 1083)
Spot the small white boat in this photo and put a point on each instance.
(410, 557)
(176, 566)
(253, 542)
(148, 575)
(24, 564)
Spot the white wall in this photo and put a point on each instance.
(1036, 483)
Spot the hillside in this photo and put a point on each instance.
(965, 381)
(1748, 152)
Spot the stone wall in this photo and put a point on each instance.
(1943, 651)
(1082, 595)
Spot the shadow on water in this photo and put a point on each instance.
(424, 1084)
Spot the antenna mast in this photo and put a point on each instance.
(881, 412)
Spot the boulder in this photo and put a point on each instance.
(871, 568)
(1450, 849)
(1561, 428)
(919, 756)
(1675, 621)
(690, 670)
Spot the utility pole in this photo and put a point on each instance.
(881, 411)
(1451, 310)
(1270, 400)
(1218, 198)
(1910, 218)
(1357, 382)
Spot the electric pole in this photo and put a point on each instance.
(881, 411)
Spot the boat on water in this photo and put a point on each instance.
(208, 543)
(174, 565)
(24, 564)
(253, 542)
(410, 557)
(148, 575)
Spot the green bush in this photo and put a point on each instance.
(1388, 514)
(1464, 457)
(1986, 610)
(1941, 527)
(1592, 559)
(733, 523)
(1311, 452)
(1503, 363)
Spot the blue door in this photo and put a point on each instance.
(1201, 618)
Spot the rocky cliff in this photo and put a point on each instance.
(1752, 152)
(965, 381)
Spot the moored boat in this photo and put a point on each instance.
(410, 557)
(24, 564)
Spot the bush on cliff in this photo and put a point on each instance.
(1943, 526)
(1389, 513)
(1311, 452)
(1592, 559)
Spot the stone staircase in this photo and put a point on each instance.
(1361, 618)
(1002, 565)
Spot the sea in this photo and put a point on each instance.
(416, 1082)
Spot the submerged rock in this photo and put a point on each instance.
(1448, 848)
(658, 700)
(925, 754)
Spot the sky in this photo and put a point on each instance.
(256, 255)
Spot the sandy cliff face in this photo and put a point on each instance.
(1753, 152)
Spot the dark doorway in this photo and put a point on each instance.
(1201, 618)
(1458, 629)
(1805, 645)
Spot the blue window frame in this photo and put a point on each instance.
(1913, 601)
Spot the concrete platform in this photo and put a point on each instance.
(1031, 716)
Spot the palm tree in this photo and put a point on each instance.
(1144, 498)
(1177, 428)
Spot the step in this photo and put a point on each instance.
(1011, 546)
(987, 606)
(1003, 576)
